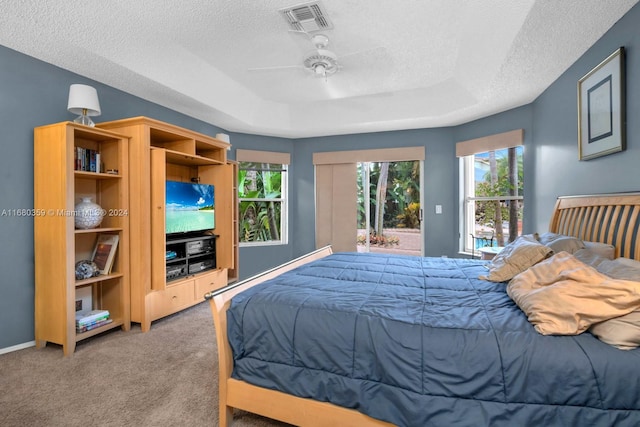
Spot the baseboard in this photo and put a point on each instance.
(17, 347)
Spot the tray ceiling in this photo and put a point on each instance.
(403, 65)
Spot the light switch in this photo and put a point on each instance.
(438, 209)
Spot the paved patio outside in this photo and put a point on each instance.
(409, 242)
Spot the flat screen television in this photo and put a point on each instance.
(190, 207)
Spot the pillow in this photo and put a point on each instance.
(516, 257)
(589, 257)
(603, 249)
(566, 244)
(622, 332)
(620, 268)
(564, 296)
(548, 237)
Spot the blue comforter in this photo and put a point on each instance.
(424, 342)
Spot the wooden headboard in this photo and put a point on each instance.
(605, 218)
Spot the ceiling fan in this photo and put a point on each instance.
(320, 62)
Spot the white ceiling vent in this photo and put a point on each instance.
(307, 17)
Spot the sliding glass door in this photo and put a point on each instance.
(389, 207)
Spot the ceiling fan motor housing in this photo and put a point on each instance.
(321, 62)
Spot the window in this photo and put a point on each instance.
(262, 194)
(491, 187)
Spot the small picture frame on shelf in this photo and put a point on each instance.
(601, 108)
(84, 299)
(105, 251)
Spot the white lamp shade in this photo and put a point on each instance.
(83, 97)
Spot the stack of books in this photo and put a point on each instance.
(88, 320)
(87, 160)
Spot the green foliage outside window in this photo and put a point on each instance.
(261, 199)
(498, 182)
(399, 203)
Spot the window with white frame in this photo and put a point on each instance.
(491, 172)
(262, 197)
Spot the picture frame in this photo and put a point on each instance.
(601, 108)
(105, 251)
(84, 299)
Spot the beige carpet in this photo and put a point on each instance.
(165, 377)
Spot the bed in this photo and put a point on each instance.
(378, 340)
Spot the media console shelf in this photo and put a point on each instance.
(189, 255)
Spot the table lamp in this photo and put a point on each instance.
(83, 100)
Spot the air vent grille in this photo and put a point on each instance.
(307, 17)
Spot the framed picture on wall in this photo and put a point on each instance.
(601, 108)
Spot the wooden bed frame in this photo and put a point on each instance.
(609, 218)
(604, 218)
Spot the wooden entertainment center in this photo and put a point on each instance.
(142, 154)
(159, 152)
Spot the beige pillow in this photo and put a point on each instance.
(564, 296)
(516, 257)
(622, 332)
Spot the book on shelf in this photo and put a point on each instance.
(86, 317)
(87, 160)
(85, 328)
(105, 251)
(92, 322)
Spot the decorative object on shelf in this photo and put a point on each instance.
(84, 297)
(86, 269)
(83, 100)
(222, 137)
(88, 214)
(601, 108)
(104, 252)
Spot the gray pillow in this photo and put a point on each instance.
(589, 257)
(603, 249)
(620, 268)
(548, 237)
(566, 244)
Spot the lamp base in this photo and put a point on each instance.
(84, 120)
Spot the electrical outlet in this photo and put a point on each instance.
(438, 209)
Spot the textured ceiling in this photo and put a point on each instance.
(404, 65)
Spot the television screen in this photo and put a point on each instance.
(189, 207)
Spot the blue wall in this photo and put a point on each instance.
(556, 169)
(440, 182)
(33, 93)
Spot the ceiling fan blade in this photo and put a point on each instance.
(379, 49)
(276, 68)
